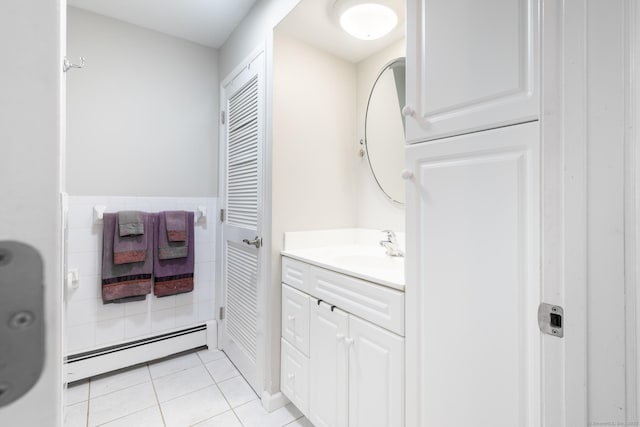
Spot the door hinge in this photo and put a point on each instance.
(551, 319)
(221, 313)
(221, 215)
(223, 117)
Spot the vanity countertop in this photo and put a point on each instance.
(365, 262)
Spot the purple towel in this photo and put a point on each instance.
(166, 248)
(130, 248)
(176, 225)
(173, 276)
(130, 223)
(124, 282)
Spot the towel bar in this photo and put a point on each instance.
(99, 210)
(98, 213)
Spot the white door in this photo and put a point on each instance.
(473, 281)
(328, 367)
(243, 142)
(376, 376)
(471, 65)
(31, 128)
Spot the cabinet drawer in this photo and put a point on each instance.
(377, 304)
(295, 318)
(295, 273)
(294, 381)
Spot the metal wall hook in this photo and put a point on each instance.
(67, 65)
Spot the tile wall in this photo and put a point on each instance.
(90, 324)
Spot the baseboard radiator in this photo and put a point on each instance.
(89, 364)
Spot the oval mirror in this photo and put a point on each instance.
(384, 129)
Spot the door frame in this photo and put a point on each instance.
(564, 183)
(264, 219)
(632, 208)
(565, 136)
(33, 87)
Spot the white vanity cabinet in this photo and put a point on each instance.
(471, 65)
(353, 373)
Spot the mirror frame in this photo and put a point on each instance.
(387, 66)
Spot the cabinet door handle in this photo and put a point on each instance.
(406, 174)
(291, 318)
(348, 341)
(339, 337)
(291, 377)
(408, 111)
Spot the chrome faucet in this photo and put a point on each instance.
(391, 244)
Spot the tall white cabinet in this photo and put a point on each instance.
(473, 284)
(471, 65)
(473, 352)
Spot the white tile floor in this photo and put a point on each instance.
(201, 389)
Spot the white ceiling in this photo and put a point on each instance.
(208, 22)
(312, 22)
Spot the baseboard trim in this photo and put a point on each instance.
(271, 402)
(89, 364)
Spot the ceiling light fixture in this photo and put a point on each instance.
(366, 19)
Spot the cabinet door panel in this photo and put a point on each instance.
(295, 377)
(295, 318)
(376, 376)
(473, 280)
(328, 366)
(471, 65)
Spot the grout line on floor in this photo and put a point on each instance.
(157, 399)
(219, 389)
(294, 421)
(155, 393)
(88, 402)
(123, 416)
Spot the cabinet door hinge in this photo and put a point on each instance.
(221, 313)
(221, 215)
(223, 117)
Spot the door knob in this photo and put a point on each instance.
(408, 111)
(257, 242)
(406, 174)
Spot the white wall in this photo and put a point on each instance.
(313, 151)
(142, 114)
(374, 210)
(32, 46)
(314, 134)
(254, 30)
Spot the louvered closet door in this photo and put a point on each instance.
(243, 130)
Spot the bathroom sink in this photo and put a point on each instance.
(370, 261)
(363, 261)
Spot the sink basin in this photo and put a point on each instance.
(377, 262)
